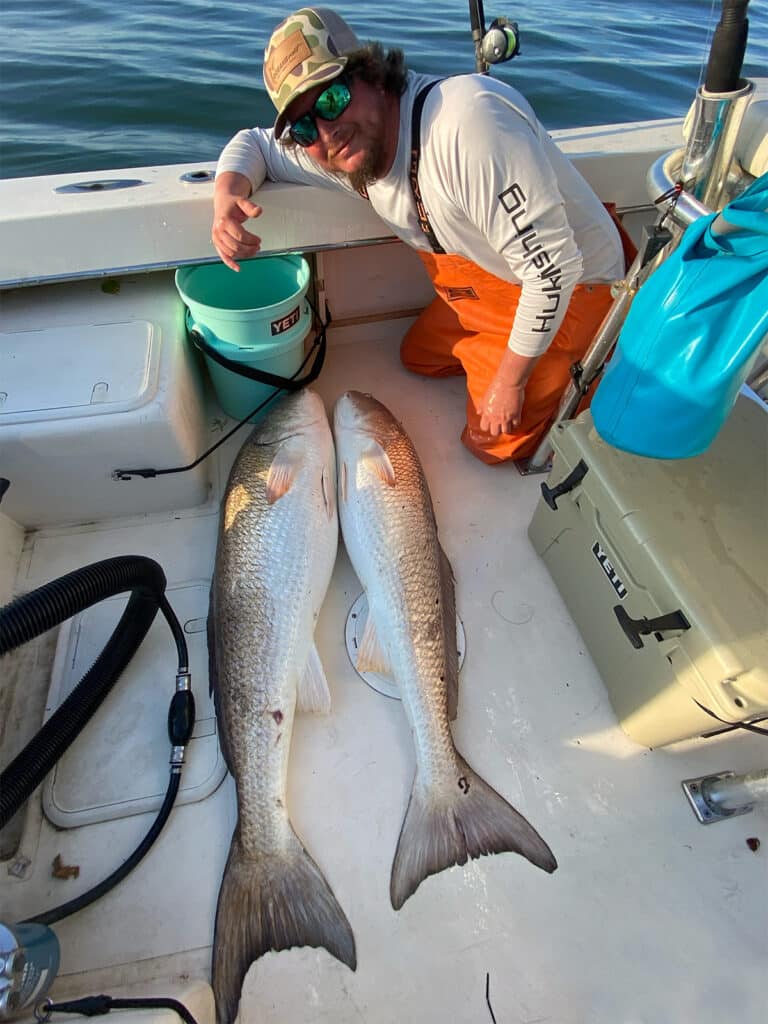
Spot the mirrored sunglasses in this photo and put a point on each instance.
(330, 104)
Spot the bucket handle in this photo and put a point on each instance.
(262, 376)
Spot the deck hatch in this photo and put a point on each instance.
(78, 370)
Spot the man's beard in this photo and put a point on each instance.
(368, 172)
(365, 175)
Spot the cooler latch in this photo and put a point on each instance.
(637, 628)
(577, 474)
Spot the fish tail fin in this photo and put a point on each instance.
(271, 903)
(466, 818)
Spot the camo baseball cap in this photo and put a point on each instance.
(306, 49)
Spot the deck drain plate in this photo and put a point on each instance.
(353, 634)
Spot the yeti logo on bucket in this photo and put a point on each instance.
(609, 570)
(285, 323)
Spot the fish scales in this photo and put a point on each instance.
(404, 557)
(260, 590)
(389, 530)
(277, 545)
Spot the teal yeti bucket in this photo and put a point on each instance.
(258, 317)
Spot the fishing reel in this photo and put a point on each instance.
(501, 42)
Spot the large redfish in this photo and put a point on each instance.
(277, 545)
(389, 530)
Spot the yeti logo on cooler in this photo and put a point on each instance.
(609, 570)
(285, 323)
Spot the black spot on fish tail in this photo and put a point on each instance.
(474, 821)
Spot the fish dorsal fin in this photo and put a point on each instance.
(447, 588)
(283, 470)
(371, 656)
(313, 695)
(377, 460)
(329, 493)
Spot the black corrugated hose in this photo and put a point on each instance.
(32, 614)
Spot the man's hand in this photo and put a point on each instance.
(231, 208)
(501, 407)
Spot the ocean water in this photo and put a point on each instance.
(98, 84)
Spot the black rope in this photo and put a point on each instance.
(732, 725)
(87, 898)
(671, 196)
(95, 1006)
(488, 997)
(279, 383)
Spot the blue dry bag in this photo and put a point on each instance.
(691, 336)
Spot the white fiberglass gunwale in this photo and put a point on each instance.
(649, 918)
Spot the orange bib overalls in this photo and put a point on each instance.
(465, 330)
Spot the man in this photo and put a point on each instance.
(520, 250)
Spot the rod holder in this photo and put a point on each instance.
(709, 153)
(725, 794)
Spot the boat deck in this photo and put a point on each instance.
(649, 918)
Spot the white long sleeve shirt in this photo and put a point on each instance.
(496, 188)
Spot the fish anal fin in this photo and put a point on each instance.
(377, 461)
(313, 695)
(371, 656)
(272, 902)
(466, 818)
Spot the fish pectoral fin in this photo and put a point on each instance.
(313, 695)
(282, 472)
(377, 460)
(371, 656)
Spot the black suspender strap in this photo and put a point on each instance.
(413, 172)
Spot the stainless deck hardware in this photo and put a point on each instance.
(725, 794)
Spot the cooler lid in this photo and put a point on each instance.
(693, 529)
(77, 370)
(715, 502)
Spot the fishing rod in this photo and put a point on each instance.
(707, 170)
(499, 44)
(692, 187)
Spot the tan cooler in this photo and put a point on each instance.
(664, 568)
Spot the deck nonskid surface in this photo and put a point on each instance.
(650, 917)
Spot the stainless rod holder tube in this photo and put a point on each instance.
(735, 792)
(596, 355)
(662, 175)
(702, 168)
(709, 152)
(725, 794)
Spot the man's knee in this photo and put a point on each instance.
(427, 349)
